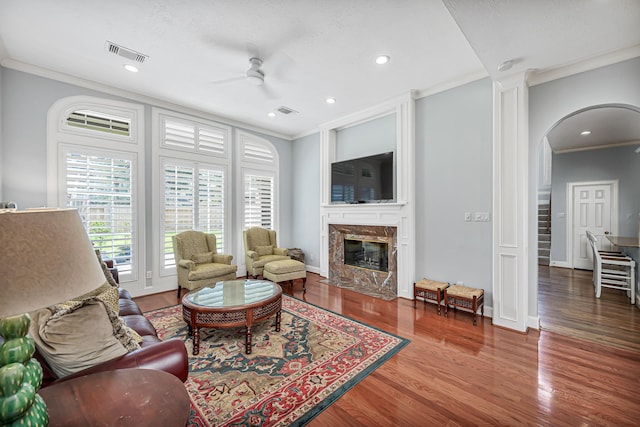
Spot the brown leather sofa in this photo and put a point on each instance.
(169, 356)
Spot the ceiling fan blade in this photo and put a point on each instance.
(229, 80)
(268, 92)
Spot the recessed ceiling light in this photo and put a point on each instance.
(382, 59)
(585, 132)
(330, 100)
(271, 114)
(131, 68)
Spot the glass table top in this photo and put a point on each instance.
(231, 293)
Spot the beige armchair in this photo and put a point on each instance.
(197, 262)
(260, 248)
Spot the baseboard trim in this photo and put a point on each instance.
(533, 322)
(561, 264)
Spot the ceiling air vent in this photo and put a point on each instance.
(126, 52)
(286, 110)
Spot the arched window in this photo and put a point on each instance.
(259, 178)
(95, 164)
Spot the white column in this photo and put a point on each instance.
(510, 202)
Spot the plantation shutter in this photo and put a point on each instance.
(179, 208)
(259, 201)
(193, 200)
(192, 136)
(94, 121)
(100, 187)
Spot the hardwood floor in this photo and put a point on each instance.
(453, 373)
(567, 306)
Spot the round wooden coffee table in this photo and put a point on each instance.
(229, 304)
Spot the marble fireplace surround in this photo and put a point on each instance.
(371, 282)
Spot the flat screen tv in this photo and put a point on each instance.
(363, 180)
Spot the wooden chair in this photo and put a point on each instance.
(612, 270)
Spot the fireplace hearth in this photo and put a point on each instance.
(363, 258)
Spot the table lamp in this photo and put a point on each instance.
(46, 258)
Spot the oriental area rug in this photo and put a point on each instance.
(290, 376)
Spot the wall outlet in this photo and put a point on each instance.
(467, 216)
(481, 217)
(311, 257)
(460, 282)
(149, 276)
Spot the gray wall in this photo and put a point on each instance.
(24, 104)
(454, 139)
(365, 139)
(453, 176)
(550, 102)
(306, 198)
(619, 163)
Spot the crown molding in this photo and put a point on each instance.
(537, 77)
(134, 96)
(453, 83)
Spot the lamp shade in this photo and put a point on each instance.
(46, 258)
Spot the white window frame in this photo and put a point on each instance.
(61, 138)
(267, 165)
(163, 153)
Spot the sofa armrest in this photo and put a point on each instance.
(280, 251)
(222, 258)
(169, 356)
(187, 263)
(253, 255)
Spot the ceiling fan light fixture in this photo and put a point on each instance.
(506, 65)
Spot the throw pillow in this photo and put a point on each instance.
(203, 258)
(264, 250)
(75, 339)
(105, 270)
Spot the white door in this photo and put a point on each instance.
(594, 209)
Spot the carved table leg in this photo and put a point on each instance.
(278, 318)
(248, 340)
(196, 340)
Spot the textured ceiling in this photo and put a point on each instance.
(311, 49)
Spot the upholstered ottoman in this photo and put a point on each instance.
(464, 297)
(429, 290)
(286, 271)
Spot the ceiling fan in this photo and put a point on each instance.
(255, 75)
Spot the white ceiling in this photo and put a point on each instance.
(311, 49)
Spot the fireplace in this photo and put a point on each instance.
(366, 254)
(363, 258)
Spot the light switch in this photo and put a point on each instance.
(467, 216)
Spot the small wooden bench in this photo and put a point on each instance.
(429, 290)
(464, 297)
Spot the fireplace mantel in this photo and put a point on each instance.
(399, 214)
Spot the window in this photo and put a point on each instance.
(99, 186)
(193, 160)
(193, 199)
(95, 163)
(259, 164)
(258, 201)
